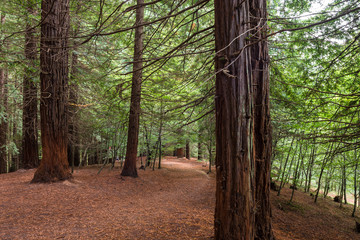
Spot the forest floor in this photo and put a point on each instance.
(176, 202)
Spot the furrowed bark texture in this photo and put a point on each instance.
(234, 213)
(54, 79)
(262, 124)
(243, 129)
(134, 117)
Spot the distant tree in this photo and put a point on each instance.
(30, 149)
(187, 149)
(134, 117)
(54, 79)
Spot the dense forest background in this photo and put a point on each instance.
(314, 80)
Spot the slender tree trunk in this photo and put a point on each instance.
(4, 119)
(235, 165)
(309, 169)
(285, 165)
(134, 117)
(344, 183)
(296, 174)
(160, 132)
(30, 149)
(323, 165)
(54, 79)
(287, 178)
(355, 186)
(199, 151)
(210, 155)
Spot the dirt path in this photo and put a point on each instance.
(176, 202)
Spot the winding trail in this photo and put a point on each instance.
(175, 202)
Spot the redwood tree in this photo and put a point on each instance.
(262, 125)
(54, 78)
(243, 137)
(134, 117)
(30, 154)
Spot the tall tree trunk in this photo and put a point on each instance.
(235, 182)
(3, 119)
(30, 149)
(54, 79)
(134, 118)
(262, 124)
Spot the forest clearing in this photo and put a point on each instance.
(175, 202)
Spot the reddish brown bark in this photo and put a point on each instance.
(134, 117)
(30, 149)
(262, 125)
(243, 130)
(54, 79)
(234, 212)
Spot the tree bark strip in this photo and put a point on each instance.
(54, 80)
(262, 124)
(134, 117)
(235, 185)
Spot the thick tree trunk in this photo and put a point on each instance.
(30, 149)
(235, 183)
(243, 130)
(262, 124)
(54, 79)
(134, 117)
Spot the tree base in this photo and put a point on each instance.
(43, 176)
